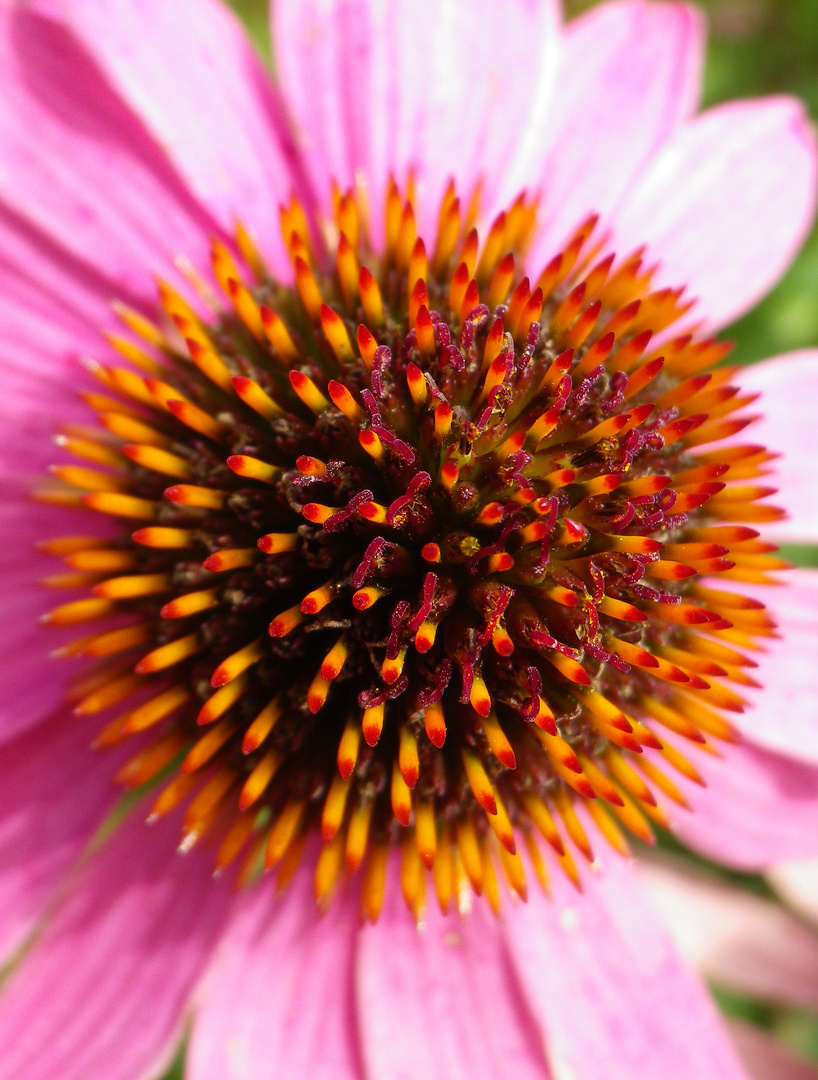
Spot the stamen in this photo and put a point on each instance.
(460, 524)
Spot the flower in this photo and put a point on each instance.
(136, 135)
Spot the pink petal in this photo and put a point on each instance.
(629, 75)
(37, 395)
(190, 73)
(796, 882)
(101, 994)
(50, 303)
(607, 987)
(26, 658)
(759, 806)
(376, 87)
(277, 999)
(442, 1000)
(40, 397)
(726, 204)
(52, 309)
(789, 388)
(40, 680)
(28, 415)
(736, 940)
(51, 312)
(55, 794)
(62, 128)
(783, 715)
(36, 407)
(768, 1058)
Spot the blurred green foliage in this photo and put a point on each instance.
(254, 14)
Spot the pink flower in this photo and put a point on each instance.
(133, 133)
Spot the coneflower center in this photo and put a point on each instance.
(429, 569)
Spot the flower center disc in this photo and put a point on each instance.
(429, 569)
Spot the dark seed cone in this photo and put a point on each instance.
(418, 554)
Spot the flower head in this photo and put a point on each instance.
(423, 540)
(451, 572)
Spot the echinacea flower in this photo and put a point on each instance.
(410, 532)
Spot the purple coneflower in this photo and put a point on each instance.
(413, 542)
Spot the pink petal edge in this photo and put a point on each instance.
(373, 91)
(102, 993)
(796, 882)
(788, 385)
(190, 73)
(726, 204)
(630, 74)
(610, 993)
(759, 806)
(62, 126)
(783, 714)
(738, 941)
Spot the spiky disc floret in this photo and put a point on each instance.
(428, 570)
